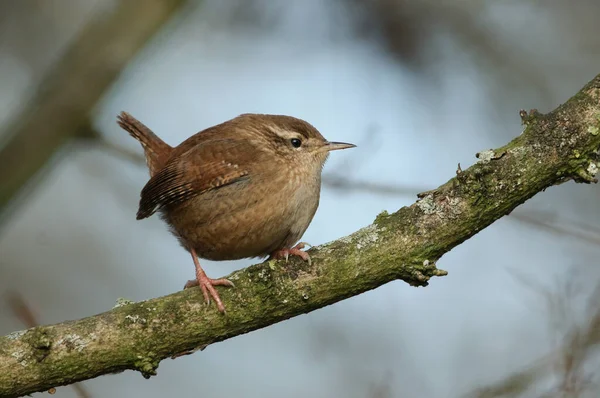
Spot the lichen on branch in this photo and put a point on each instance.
(552, 148)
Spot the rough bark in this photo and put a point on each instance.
(406, 245)
(62, 105)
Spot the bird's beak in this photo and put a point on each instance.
(334, 146)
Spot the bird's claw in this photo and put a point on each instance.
(207, 286)
(294, 251)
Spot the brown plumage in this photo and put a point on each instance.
(248, 187)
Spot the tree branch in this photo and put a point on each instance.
(405, 245)
(24, 313)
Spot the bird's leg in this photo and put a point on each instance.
(294, 251)
(207, 284)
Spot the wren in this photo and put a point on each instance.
(248, 187)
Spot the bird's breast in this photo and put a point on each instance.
(247, 219)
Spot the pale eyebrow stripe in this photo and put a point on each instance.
(287, 134)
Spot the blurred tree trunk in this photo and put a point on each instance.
(67, 96)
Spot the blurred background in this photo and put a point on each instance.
(419, 85)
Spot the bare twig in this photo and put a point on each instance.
(568, 361)
(21, 310)
(331, 180)
(580, 231)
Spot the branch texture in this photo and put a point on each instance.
(552, 149)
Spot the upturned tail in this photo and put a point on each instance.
(157, 151)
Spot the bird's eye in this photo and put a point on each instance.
(296, 143)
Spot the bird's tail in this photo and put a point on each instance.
(157, 151)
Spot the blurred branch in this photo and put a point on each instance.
(405, 245)
(580, 231)
(408, 30)
(124, 153)
(517, 383)
(21, 310)
(340, 182)
(334, 181)
(569, 359)
(68, 94)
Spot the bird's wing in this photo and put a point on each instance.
(203, 167)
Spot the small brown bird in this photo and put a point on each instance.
(248, 187)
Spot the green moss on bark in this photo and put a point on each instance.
(402, 245)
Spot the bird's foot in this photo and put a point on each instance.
(207, 285)
(208, 290)
(294, 251)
